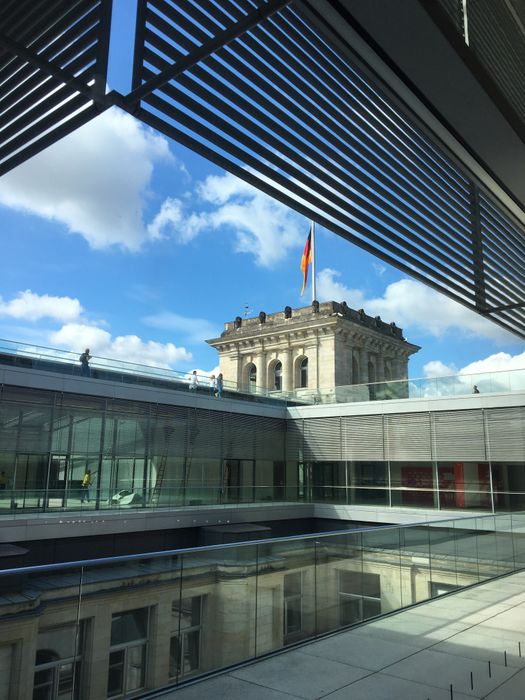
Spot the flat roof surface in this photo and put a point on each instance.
(417, 653)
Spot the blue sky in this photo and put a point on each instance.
(122, 240)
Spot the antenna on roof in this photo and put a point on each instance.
(247, 310)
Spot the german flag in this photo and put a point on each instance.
(306, 260)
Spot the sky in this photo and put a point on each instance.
(121, 240)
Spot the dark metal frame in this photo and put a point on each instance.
(254, 87)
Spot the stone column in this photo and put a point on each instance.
(260, 363)
(288, 382)
(363, 365)
(380, 367)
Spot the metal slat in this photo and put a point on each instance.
(362, 186)
(390, 241)
(458, 436)
(408, 436)
(506, 433)
(422, 148)
(224, 110)
(322, 439)
(308, 161)
(294, 440)
(23, 100)
(362, 438)
(46, 44)
(48, 138)
(269, 438)
(207, 433)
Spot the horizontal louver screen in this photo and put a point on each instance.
(168, 435)
(362, 437)
(322, 439)
(241, 436)
(506, 434)
(407, 436)
(206, 435)
(459, 436)
(269, 438)
(53, 63)
(294, 440)
(256, 88)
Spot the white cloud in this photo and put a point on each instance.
(195, 329)
(380, 269)
(32, 307)
(436, 368)
(495, 363)
(129, 348)
(93, 181)
(413, 306)
(330, 289)
(168, 218)
(263, 227)
(497, 372)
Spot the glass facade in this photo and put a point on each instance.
(481, 486)
(62, 451)
(126, 625)
(68, 452)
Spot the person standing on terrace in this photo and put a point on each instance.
(84, 363)
(194, 381)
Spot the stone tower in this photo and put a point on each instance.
(314, 348)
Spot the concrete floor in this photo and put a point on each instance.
(437, 651)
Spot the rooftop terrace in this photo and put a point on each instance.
(16, 354)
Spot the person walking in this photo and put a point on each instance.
(84, 363)
(194, 381)
(218, 391)
(84, 487)
(213, 385)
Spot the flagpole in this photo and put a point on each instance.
(313, 261)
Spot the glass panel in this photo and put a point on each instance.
(464, 485)
(225, 581)
(135, 662)
(129, 626)
(116, 673)
(339, 559)
(367, 474)
(415, 484)
(368, 497)
(518, 538)
(383, 585)
(285, 593)
(505, 547)
(418, 562)
(486, 548)
(466, 552)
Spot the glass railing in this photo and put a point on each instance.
(435, 387)
(122, 626)
(65, 362)
(173, 494)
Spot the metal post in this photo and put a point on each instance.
(313, 261)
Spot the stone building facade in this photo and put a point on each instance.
(314, 348)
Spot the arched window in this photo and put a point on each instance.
(303, 373)
(252, 377)
(278, 376)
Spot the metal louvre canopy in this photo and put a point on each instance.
(254, 88)
(267, 93)
(53, 68)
